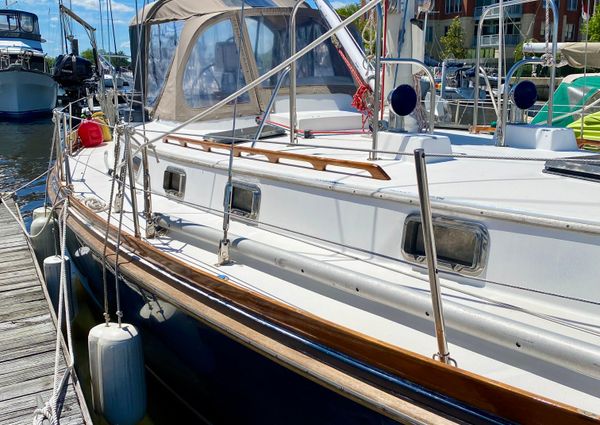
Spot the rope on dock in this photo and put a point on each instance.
(49, 410)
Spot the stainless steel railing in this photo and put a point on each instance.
(293, 115)
(501, 129)
(487, 11)
(443, 354)
(267, 112)
(431, 82)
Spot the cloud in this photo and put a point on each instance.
(93, 5)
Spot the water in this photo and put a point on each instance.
(24, 155)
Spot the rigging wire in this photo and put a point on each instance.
(223, 252)
(101, 26)
(112, 23)
(136, 69)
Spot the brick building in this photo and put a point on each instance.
(523, 22)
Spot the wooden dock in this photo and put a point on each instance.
(28, 336)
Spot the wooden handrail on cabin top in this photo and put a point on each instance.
(318, 163)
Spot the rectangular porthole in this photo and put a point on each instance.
(245, 199)
(461, 245)
(174, 182)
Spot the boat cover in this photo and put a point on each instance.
(570, 95)
(591, 127)
(574, 54)
(171, 10)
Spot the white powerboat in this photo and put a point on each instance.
(26, 86)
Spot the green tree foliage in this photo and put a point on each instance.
(519, 49)
(350, 9)
(50, 61)
(592, 28)
(359, 24)
(88, 54)
(119, 59)
(116, 61)
(453, 43)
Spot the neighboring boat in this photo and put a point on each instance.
(289, 270)
(26, 86)
(457, 96)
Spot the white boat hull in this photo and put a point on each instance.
(24, 93)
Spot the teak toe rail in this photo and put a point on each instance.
(318, 163)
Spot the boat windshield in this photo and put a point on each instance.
(269, 38)
(28, 23)
(9, 21)
(22, 22)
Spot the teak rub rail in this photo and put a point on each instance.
(318, 163)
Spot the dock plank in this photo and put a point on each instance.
(20, 408)
(28, 336)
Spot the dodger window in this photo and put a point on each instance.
(211, 70)
(164, 39)
(269, 39)
(461, 245)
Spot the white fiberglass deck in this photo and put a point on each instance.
(505, 185)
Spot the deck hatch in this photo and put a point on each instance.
(461, 245)
(174, 182)
(245, 199)
(569, 168)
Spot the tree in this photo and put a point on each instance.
(592, 28)
(88, 54)
(118, 60)
(359, 24)
(519, 48)
(453, 43)
(350, 9)
(50, 61)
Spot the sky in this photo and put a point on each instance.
(123, 12)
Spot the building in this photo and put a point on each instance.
(523, 22)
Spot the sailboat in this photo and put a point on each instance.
(322, 263)
(26, 86)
